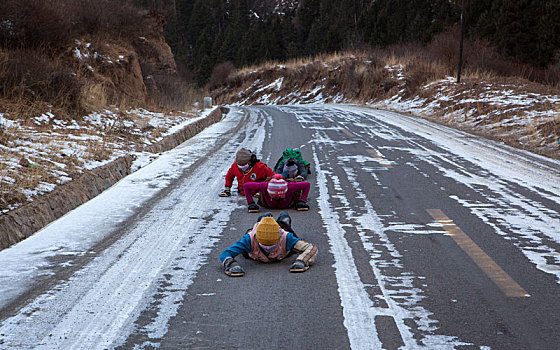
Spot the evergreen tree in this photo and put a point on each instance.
(525, 30)
(206, 32)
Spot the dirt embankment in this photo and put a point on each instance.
(131, 74)
(22, 222)
(515, 111)
(65, 112)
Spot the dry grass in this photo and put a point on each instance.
(60, 149)
(421, 74)
(45, 71)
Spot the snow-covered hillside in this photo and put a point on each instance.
(521, 114)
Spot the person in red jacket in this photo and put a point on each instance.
(246, 168)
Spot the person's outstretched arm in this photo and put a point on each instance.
(230, 176)
(231, 267)
(243, 245)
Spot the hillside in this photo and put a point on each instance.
(109, 86)
(514, 111)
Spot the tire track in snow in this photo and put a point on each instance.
(97, 307)
(358, 309)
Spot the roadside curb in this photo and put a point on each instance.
(17, 225)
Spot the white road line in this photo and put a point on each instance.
(357, 308)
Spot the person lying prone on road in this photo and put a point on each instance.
(267, 242)
(277, 194)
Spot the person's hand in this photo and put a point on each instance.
(253, 207)
(232, 268)
(299, 266)
(299, 178)
(226, 192)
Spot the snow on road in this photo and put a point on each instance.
(522, 216)
(96, 307)
(525, 220)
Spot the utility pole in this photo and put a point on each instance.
(459, 65)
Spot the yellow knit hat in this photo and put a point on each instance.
(268, 231)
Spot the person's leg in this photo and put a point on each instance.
(264, 215)
(305, 191)
(301, 204)
(285, 222)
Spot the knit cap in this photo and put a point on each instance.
(277, 187)
(243, 156)
(268, 231)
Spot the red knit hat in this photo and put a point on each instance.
(277, 187)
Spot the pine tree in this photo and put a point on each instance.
(524, 30)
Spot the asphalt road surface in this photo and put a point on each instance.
(428, 238)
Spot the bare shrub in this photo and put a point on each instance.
(117, 17)
(481, 56)
(420, 72)
(55, 23)
(444, 47)
(172, 92)
(553, 74)
(31, 75)
(220, 74)
(348, 78)
(376, 84)
(30, 23)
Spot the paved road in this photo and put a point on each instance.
(428, 238)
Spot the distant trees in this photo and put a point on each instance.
(204, 33)
(388, 22)
(524, 30)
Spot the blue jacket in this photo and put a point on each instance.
(244, 245)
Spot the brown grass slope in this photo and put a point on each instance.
(508, 108)
(64, 60)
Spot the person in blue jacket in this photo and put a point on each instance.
(268, 242)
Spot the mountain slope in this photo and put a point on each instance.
(514, 111)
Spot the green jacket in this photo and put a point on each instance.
(293, 153)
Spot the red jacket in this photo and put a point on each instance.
(259, 172)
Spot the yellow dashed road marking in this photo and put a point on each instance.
(348, 132)
(486, 264)
(384, 162)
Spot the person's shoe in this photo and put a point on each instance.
(264, 216)
(285, 221)
(301, 205)
(232, 268)
(253, 208)
(235, 271)
(225, 193)
(299, 266)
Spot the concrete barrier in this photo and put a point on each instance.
(24, 221)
